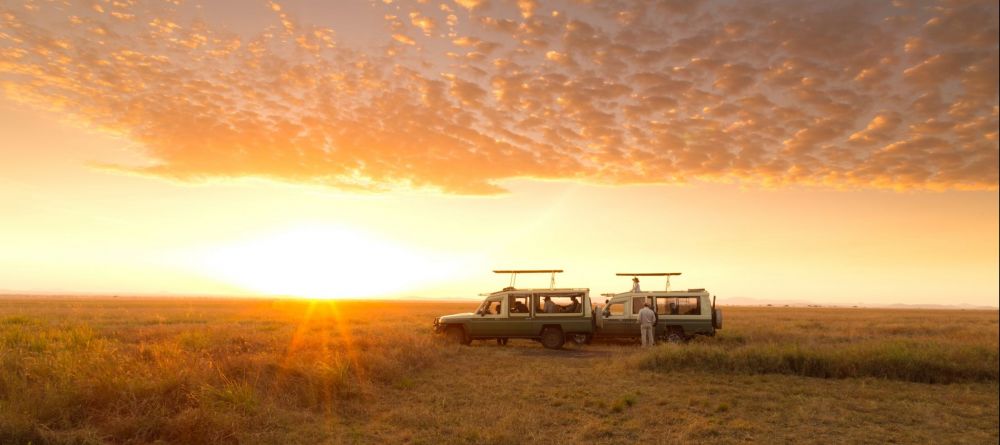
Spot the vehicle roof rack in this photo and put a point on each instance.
(513, 275)
(651, 274)
(647, 274)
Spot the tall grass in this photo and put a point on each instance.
(169, 376)
(291, 372)
(905, 360)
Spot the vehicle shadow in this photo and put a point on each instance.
(563, 353)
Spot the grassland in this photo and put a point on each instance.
(136, 371)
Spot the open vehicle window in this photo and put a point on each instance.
(491, 307)
(678, 306)
(663, 305)
(616, 309)
(688, 306)
(518, 304)
(562, 303)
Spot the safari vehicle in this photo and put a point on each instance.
(550, 316)
(680, 314)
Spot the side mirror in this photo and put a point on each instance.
(479, 312)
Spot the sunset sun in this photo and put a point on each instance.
(320, 261)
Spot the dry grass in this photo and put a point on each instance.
(209, 371)
(912, 345)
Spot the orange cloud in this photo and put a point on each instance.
(870, 95)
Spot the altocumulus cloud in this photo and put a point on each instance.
(459, 96)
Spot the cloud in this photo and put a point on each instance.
(461, 96)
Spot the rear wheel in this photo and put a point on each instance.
(553, 338)
(675, 336)
(457, 335)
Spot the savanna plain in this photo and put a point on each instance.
(201, 371)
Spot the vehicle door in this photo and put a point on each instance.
(633, 329)
(488, 321)
(520, 322)
(616, 318)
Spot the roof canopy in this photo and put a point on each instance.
(648, 274)
(529, 271)
(513, 275)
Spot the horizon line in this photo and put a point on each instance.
(743, 300)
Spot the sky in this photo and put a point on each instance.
(835, 152)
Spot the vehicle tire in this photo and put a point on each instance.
(553, 338)
(675, 336)
(502, 341)
(580, 339)
(457, 335)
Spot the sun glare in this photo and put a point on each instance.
(324, 262)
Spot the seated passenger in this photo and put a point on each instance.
(497, 310)
(574, 305)
(550, 307)
(519, 307)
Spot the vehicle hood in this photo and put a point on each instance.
(456, 317)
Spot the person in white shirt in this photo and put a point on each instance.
(647, 321)
(635, 284)
(550, 307)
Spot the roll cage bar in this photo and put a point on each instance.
(650, 274)
(513, 275)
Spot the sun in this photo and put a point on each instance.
(321, 261)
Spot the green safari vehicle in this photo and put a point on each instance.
(551, 316)
(680, 314)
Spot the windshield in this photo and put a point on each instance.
(489, 306)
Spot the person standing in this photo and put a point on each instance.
(647, 319)
(635, 284)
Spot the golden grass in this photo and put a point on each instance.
(135, 371)
(913, 345)
(900, 360)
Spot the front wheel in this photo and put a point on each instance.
(553, 338)
(457, 335)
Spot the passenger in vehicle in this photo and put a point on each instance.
(635, 284)
(518, 307)
(574, 305)
(549, 307)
